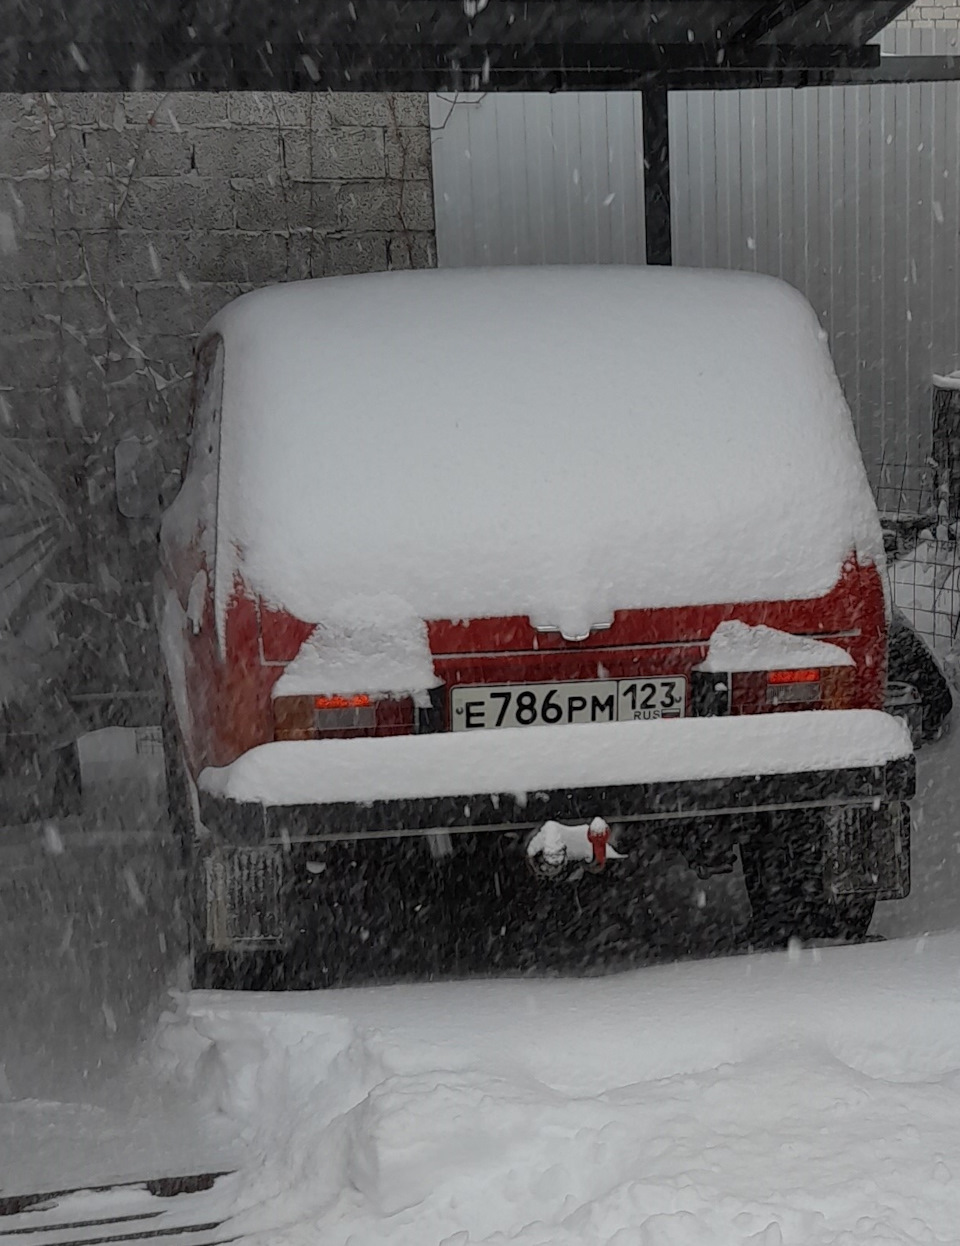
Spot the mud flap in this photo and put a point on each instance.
(244, 898)
(868, 851)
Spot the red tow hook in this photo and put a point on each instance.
(598, 834)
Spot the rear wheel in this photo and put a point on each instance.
(784, 868)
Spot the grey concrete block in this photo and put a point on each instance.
(410, 108)
(82, 363)
(85, 203)
(81, 310)
(296, 151)
(176, 311)
(29, 200)
(230, 153)
(364, 254)
(19, 109)
(215, 256)
(145, 256)
(81, 403)
(369, 108)
(385, 205)
(416, 206)
(18, 311)
(29, 363)
(84, 108)
(368, 207)
(41, 260)
(237, 257)
(301, 261)
(286, 205)
(169, 310)
(408, 153)
(344, 154)
(98, 249)
(25, 150)
(411, 250)
(275, 109)
(32, 413)
(349, 108)
(170, 354)
(176, 203)
(134, 151)
(176, 108)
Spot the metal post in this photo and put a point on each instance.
(656, 175)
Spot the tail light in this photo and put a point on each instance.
(794, 687)
(335, 716)
(763, 692)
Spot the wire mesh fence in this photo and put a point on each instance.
(923, 559)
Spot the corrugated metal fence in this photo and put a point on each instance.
(850, 193)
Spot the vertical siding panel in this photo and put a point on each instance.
(786, 223)
(680, 175)
(764, 152)
(855, 220)
(865, 297)
(703, 111)
(899, 244)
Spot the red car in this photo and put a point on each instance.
(546, 558)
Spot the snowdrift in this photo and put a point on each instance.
(809, 1097)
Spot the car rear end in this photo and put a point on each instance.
(571, 596)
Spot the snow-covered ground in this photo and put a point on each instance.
(799, 1098)
(804, 1098)
(808, 1097)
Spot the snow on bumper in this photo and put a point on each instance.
(635, 771)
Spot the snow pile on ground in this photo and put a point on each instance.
(736, 646)
(806, 1098)
(371, 644)
(551, 442)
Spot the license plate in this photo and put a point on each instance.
(583, 701)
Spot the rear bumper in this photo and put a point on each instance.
(248, 822)
(775, 763)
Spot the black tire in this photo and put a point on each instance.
(784, 873)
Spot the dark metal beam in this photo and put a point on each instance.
(760, 23)
(223, 65)
(656, 175)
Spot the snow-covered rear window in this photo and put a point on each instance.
(558, 443)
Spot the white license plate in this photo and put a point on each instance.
(583, 701)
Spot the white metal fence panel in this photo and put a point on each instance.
(538, 179)
(852, 194)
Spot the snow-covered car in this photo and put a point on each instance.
(557, 556)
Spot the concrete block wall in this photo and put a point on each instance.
(924, 15)
(126, 221)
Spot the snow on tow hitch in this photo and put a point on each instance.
(551, 848)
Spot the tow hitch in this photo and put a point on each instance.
(554, 846)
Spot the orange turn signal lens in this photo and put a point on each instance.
(361, 701)
(807, 675)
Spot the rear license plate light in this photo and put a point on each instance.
(792, 694)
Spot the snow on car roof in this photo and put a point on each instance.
(551, 442)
